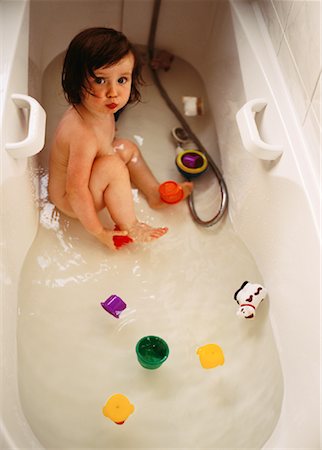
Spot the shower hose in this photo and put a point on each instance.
(188, 130)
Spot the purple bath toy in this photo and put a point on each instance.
(192, 160)
(114, 305)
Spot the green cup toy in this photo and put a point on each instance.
(151, 351)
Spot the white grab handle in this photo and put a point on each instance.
(249, 131)
(35, 140)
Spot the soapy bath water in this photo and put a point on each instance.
(73, 355)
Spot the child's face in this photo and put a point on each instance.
(110, 90)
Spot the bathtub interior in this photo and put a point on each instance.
(58, 266)
(223, 97)
(67, 274)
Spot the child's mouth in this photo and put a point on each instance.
(112, 105)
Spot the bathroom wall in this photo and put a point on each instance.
(294, 28)
(53, 24)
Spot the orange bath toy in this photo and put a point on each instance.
(171, 192)
(210, 355)
(118, 408)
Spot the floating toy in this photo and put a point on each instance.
(119, 241)
(114, 305)
(191, 163)
(248, 297)
(118, 408)
(152, 351)
(171, 192)
(210, 355)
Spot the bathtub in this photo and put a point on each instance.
(274, 200)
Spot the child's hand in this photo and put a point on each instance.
(107, 238)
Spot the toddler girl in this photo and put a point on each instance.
(90, 169)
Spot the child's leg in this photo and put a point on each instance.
(110, 187)
(141, 175)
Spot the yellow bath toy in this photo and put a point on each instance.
(210, 355)
(118, 408)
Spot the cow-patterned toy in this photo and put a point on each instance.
(248, 297)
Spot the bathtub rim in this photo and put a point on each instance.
(248, 14)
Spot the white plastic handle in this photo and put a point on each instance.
(249, 131)
(35, 140)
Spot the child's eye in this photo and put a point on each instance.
(99, 80)
(122, 80)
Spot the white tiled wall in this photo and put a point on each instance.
(295, 30)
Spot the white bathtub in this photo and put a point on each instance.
(274, 206)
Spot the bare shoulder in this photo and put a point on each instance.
(72, 128)
(73, 140)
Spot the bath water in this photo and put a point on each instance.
(73, 355)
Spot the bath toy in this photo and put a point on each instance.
(170, 192)
(114, 305)
(191, 163)
(248, 297)
(119, 241)
(118, 408)
(210, 355)
(152, 351)
(180, 135)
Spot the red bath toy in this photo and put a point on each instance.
(119, 241)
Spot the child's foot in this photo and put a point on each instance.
(141, 232)
(155, 201)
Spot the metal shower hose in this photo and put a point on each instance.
(186, 127)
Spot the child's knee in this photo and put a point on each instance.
(134, 153)
(127, 150)
(109, 166)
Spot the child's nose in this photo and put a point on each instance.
(112, 90)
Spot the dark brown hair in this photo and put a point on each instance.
(94, 48)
